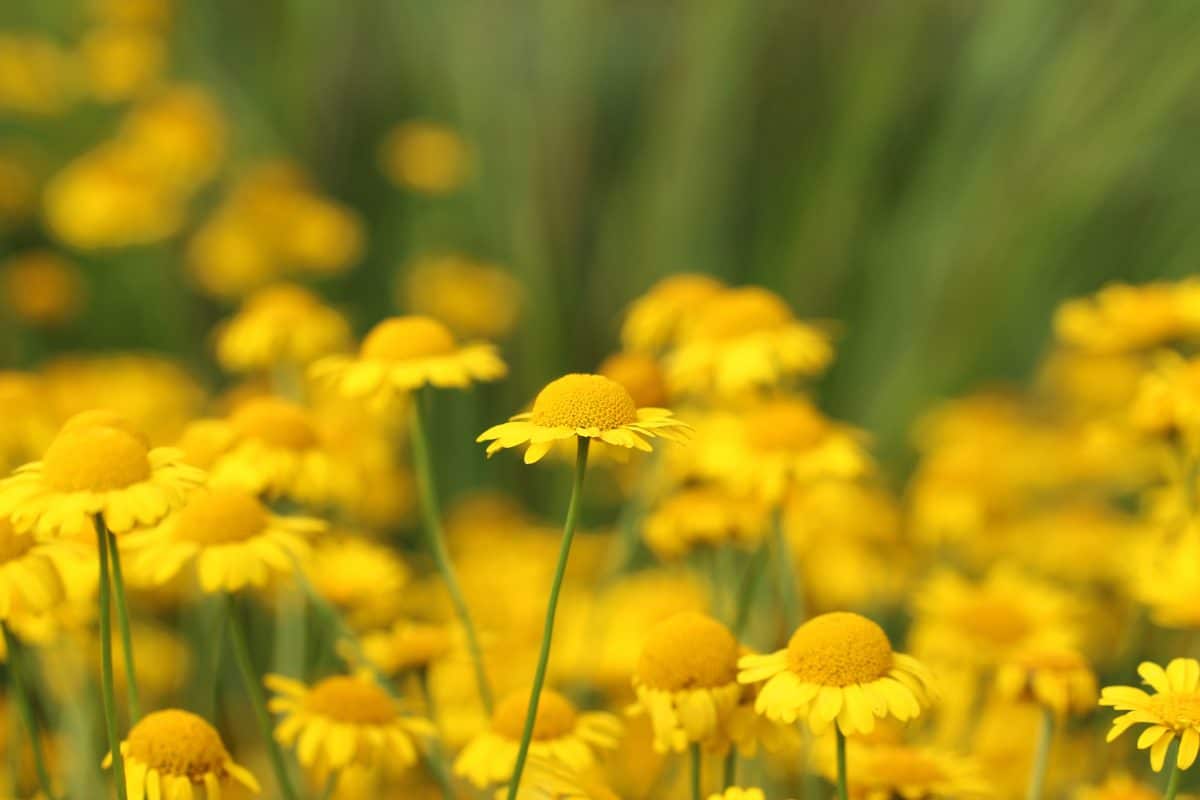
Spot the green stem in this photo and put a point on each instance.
(749, 588)
(241, 654)
(790, 599)
(539, 675)
(106, 659)
(697, 765)
(330, 785)
(16, 668)
(731, 766)
(131, 683)
(435, 758)
(1173, 781)
(842, 791)
(436, 540)
(1041, 756)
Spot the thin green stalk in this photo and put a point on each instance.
(731, 766)
(330, 785)
(749, 588)
(241, 654)
(435, 758)
(1173, 780)
(131, 684)
(539, 675)
(106, 659)
(1041, 756)
(436, 540)
(842, 791)
(793, 613)
(697, 768)
(16, 668)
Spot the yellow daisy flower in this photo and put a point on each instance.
(703, 516)
(405, 353)
(427, 157)
(744, 339)
(1121, 318)
(900, 772)
(640, 374)
(281, 324)
(177, 755)
(1118, 787)
(407, 645)
(1058, 679)
(561, 734)
(41, 288)
(686, 680)
(27, 426)
(838, 666)
(653, 320)
(547, 779)
(587, 406)
(231, 538)
(345, 720)
(96, 469)
(738, 793)
(474, 298)
(30, 577)
(363, 579)
(1173, 711)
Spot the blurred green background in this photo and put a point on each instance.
(934, 175)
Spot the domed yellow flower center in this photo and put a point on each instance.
(839, 649)
(584, 401)
(95, 459)
(1178, 710)
(352, 700)
(276, 422)
(640, 375)
(402, 338)
(221, 516)
(13, 545)
(904, 767)
(785, 425)
(555, 716)
(178, 743)
(739, 312)
(995, 620)
(688, 651)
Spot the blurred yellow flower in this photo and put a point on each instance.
(20, 176)
(1118, 787)
(641, 375)
(30, 579)
(281, 325)
(36, 75)
(547, 779)
(122, 62)
(361, 578)
(1167, 402)
(1172, 712)
(406, 645)
(654, 319)
(703, 516)
(180, 132)
(738, 793)
(425, 157)
(27, 426)
(891, 772)
(475, 299)
(41, 288)
(1058, 679)
(561, 734)
(1121, 318)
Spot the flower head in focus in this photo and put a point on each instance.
(1171, 712)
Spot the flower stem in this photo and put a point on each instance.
(1041, 756)
(435, 757)
(436, 540)
(106, 659)
(1173, 781)
(842, 791)
(697, 764)
(16, 667)
(731, 766)
(241, 654)
(539, 675)
(131, 684)
(749, 588)
(793, 612)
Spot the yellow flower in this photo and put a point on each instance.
(474, 298)
(361, 578)
(342, 721)
(589, 406)
(425, 157)
(406, 645)
(30, 578)
(686, 680)
(1167, 402)
(640, 374)
(230, 537)
(36, 76)
(279, 451)
(176, 754)
(653, 320)
(41, 288)
(282, 324)
(738, 793)
(891, 772)
(27, 425)
(561, 734)
(1121, 318)
(703, 516)
(181, 132)
(121, 61)
(405, 353)
(743, 339)
(1173, 711)
(547, 779)
(92, 469)
(1058, 679)
(1118, 787)
(838, 666)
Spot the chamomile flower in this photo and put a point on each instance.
(426, 157)
(547, 779)
(561, 734)
(703, 516)
(344, 720)
(640, 374)
(30, 577)
(1118, 787)
(890, 771)
(176, 754)
(475, 299)
(686, 680)
(1058, 679)
(407, 645)
(402, 354)
(92, 469)
(654, 319)
(231, 538)
(838, 667)
(363, 579)
(282, 324)
(583, 406)
(1171, 712)
(738, 793)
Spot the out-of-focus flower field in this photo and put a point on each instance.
(591, 399)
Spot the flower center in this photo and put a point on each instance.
(13, 545)
(839, 649)
(353, 700)
(641, 377)
(178, 743)
(785, 425)
(276, 422)
(994, 620)
(403, 338)
(738, 312)
(688, 651)
(1177, 710)
(555, 716)
(95, 459)
(221, 516)
(584, 401)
